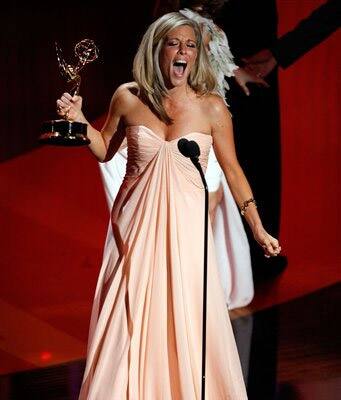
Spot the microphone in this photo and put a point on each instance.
(191, 149)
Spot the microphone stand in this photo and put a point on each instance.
(191, 150)
(196, 163)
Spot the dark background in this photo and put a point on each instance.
(30, 80)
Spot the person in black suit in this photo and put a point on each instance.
(309, 32)
(251, 27)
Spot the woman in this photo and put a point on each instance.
(145, 331)
(232, 247)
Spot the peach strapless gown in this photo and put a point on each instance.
(145, 330)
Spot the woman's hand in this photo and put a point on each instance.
(214, 199)
(244, 76)
(270, 245)
(70, 108)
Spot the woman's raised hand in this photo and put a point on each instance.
(70, 108)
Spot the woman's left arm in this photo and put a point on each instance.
(224, 147)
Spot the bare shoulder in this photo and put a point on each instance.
(125, 96)
(215, 106)
(128, 89)
(216, 110)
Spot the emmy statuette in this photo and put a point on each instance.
(62, 131)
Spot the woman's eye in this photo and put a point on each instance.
(193, 45)
(172, 43)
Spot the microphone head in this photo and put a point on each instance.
(189, 148)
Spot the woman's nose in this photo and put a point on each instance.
(182, 48)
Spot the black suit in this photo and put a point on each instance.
(312, 30)
(252, 26)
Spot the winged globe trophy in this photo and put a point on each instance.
(62, 131)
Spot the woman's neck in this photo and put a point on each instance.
(177, 97)
(179, 92)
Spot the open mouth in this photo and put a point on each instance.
(179, 67)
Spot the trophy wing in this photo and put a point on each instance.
(64, 68)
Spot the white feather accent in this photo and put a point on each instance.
(219, 51)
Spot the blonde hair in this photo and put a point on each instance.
(147, 72)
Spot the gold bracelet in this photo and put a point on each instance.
(246, 204)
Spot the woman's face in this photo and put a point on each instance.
(178, 55)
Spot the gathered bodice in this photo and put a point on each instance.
(146, 149)
(145, 330)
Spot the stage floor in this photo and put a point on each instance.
(289, 351)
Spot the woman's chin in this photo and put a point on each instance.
(178, 81)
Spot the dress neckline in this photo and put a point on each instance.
(168, 141)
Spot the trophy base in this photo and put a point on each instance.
(64, 133)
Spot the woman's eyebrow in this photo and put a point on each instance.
(186, 40)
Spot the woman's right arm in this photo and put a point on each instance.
(106, 142)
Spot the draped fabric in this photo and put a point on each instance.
(231, 244)
(145, 332)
